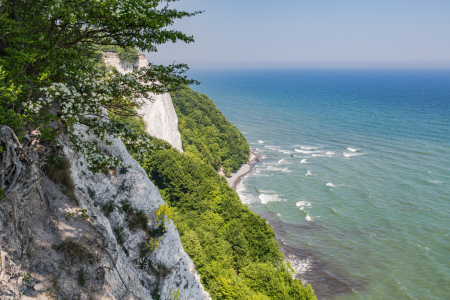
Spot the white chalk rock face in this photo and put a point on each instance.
(133, 186)
(158, 112)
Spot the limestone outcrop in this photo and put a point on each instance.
(158, 112)
(78, 238)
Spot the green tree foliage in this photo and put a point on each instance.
(128, 54)
(49, 75)
(206, 133)
(233, 249)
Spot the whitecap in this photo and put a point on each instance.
(330, 184)
(303, 161)
(309, 147)
(261, 142)
(319, 155)
(300, 266)
(286, 170)
(285, 151)
(352, 149)
(279, 215)
(304, 151)
(266, 198)
(352, 154)
(302, 204)
(272, 168)
(308, 218)
(308, 173)
(281, 161)
(273, 147)
(330, 153)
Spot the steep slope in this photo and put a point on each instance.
(158, 112)
(92, 237)
(207, 134)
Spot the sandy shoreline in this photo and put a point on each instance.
(246, 168)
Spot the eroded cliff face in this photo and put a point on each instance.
(158, 112)
(80, 240)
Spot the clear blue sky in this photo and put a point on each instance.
(313, 33)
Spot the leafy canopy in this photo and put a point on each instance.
(49, 75)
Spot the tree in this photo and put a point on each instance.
(49, 75)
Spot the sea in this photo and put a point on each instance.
(354, 173)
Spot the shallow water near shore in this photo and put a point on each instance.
(354, 175)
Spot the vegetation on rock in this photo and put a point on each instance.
(206, 133)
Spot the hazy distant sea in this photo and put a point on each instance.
(363, 208)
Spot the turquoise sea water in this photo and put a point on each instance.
(362, 209)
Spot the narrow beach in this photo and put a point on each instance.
(245, 169)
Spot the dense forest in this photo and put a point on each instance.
(206, 133)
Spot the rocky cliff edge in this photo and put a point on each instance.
(85, 239)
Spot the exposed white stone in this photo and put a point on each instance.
(158, 112)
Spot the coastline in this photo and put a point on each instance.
(244, 170)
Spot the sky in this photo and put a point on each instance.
(312, 34)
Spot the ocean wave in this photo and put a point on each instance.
(329, 153)
(300, 266)
(309, 147)
(285, 151)
(281, 161)
(308, 218)
(266, 198)
(319, 155)
(352, 154)
(273, 168)
(305, 151)
(330, 184)
(273, 147)
(352, 149)
(286, 170)
(308, 173)
(303, 161)
(302, 204)
(261, 142)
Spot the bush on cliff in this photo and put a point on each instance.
(206, 133)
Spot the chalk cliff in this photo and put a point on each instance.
(75, 239)
(158, 112)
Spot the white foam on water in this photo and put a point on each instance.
(300, 266)
(281, 161)
(273, 147)
(352, 149)
(305, 151)
(279, 215)
(308, 218)
(308, 173)
(352, 154)
(309, 147)
(266, 198)
(303, 161)
(329, 153)
(261, 142)
(285, 151)
(273, 168)
(330, 184)
(286, 170)
(302, 204)
(319, 155)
